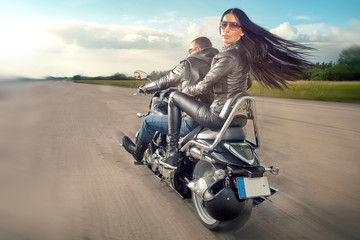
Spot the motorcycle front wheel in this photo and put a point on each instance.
(204, 169)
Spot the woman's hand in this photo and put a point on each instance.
(186, 91)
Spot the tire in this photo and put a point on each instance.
(202, 169)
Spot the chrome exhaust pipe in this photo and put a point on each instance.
(199, 186)
(196, 153)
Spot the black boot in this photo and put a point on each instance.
(172, 151)
(136, 150)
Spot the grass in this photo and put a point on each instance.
(313, 90)
(309, 90)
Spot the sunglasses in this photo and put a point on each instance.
(192, 49)
(234, 26)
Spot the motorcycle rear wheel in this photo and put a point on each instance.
(203, 169)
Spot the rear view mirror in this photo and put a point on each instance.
(139, 74)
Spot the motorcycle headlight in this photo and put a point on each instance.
(242, 150)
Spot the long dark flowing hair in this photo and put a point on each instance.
(272, 60)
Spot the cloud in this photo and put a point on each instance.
(207, 27)
(286, 31)
(328, 40)
(171, 14)
(19, 38)
(92, 35)
(66, 48)
(303, 18)
(170, 17)
(319, 32)
(162, 21)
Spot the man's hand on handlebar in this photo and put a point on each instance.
(142, 90)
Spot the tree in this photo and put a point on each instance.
(119, 76)
(154, 75)
(77, 77)
(350, 56)
(324, 65)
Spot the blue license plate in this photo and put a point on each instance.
(253, 187)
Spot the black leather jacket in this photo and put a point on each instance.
(187, 73)
(228, 76)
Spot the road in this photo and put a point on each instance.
(63, 174)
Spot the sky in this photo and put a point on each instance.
(41, 38)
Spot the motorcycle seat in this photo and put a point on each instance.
(241, 112)
(232, 133)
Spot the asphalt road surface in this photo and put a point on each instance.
(63, 174)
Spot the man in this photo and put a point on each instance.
(187, 73)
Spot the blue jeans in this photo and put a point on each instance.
(154, 123)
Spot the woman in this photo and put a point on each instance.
(248, 49)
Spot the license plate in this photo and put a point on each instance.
(253, 187)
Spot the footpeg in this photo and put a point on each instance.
(273, 170)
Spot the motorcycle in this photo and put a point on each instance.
(219, 170)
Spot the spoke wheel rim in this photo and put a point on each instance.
(202, 169)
